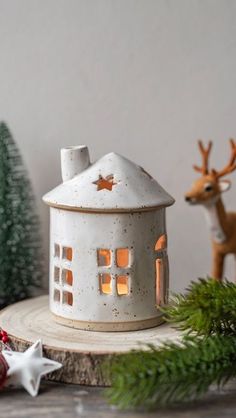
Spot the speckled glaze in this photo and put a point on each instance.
(134, 188)
(106, 223)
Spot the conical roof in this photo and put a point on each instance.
(111, 184)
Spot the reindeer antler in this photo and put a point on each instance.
(205, 152)
(231, 166)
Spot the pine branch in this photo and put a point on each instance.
(172, 373)
(208, 307)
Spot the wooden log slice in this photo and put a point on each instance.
(82, 353)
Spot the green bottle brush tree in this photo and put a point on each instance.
(20, 245)
(178, 372)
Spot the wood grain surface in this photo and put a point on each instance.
(57, 400)
(81, 352)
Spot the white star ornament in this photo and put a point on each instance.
(27, 368)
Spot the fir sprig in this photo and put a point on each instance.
(208, 307)
(183, 371)
(171, 373)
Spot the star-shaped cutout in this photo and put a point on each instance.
(105, 182)
(27, 368)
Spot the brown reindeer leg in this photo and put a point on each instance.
(218, 265)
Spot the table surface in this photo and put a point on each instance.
(57, 400)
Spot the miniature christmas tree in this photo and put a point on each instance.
(20, 246)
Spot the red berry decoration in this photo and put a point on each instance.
(5, 339)
(4, 336)
(3, 370)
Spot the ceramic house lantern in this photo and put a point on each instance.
(108, 244)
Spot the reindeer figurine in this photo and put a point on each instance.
(207, 191)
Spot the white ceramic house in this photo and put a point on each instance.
(108, 244)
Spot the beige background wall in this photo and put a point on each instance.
(145, 78)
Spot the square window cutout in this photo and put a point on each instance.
(122, 285)
(57, 250)
(105, 283)
(57, 295)
(67, 253)
(56, 274)
(67, 277)
(67, 298)
(122, 257)
(104, 257)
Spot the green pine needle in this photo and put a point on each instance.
(208, 307)
(21, 263)
(184, 371)
(172, 373)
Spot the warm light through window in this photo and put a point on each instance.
(67, 298)
(159, 280)
(122, 285)
(67, 253)
(67, 277)
(103, 257)
(161, 243)
(105, 283)
(122, 257)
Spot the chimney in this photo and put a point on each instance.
(74, 160)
